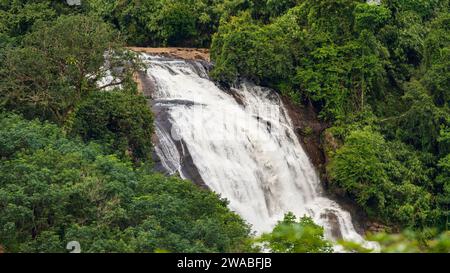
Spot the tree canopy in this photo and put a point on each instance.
(54, 190)
(58, 65)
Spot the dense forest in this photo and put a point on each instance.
(76, 161)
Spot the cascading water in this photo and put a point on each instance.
(240, 144)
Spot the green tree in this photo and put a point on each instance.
(59, 64)
(18, 17)
(243, 49)
(292, 236)
(371, 17)
(437, 60)
(443, 181)
(387, 179)
(121, 120)
(420, 125)
(162, 22)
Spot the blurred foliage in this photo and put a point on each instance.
(405, 242)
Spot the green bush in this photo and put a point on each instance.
(244, 49)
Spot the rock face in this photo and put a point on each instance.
(176, 52)
(319, 143)
(147, 86)
(308, 129)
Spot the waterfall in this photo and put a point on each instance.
(240, 144)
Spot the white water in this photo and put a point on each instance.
(261, 169)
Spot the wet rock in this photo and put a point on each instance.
(376, 227)
(146, 84)
(333, 222)
(318, 143)
(176, 52)
(308, 129)
(187, 167)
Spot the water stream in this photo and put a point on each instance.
(240, 144)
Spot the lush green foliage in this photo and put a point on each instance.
(292, 236)
(269, 61)
(161, 22)
(179, 22)
(121, 120)
(59, 64)
(54, 190)
(18, 17)
(386, 178)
